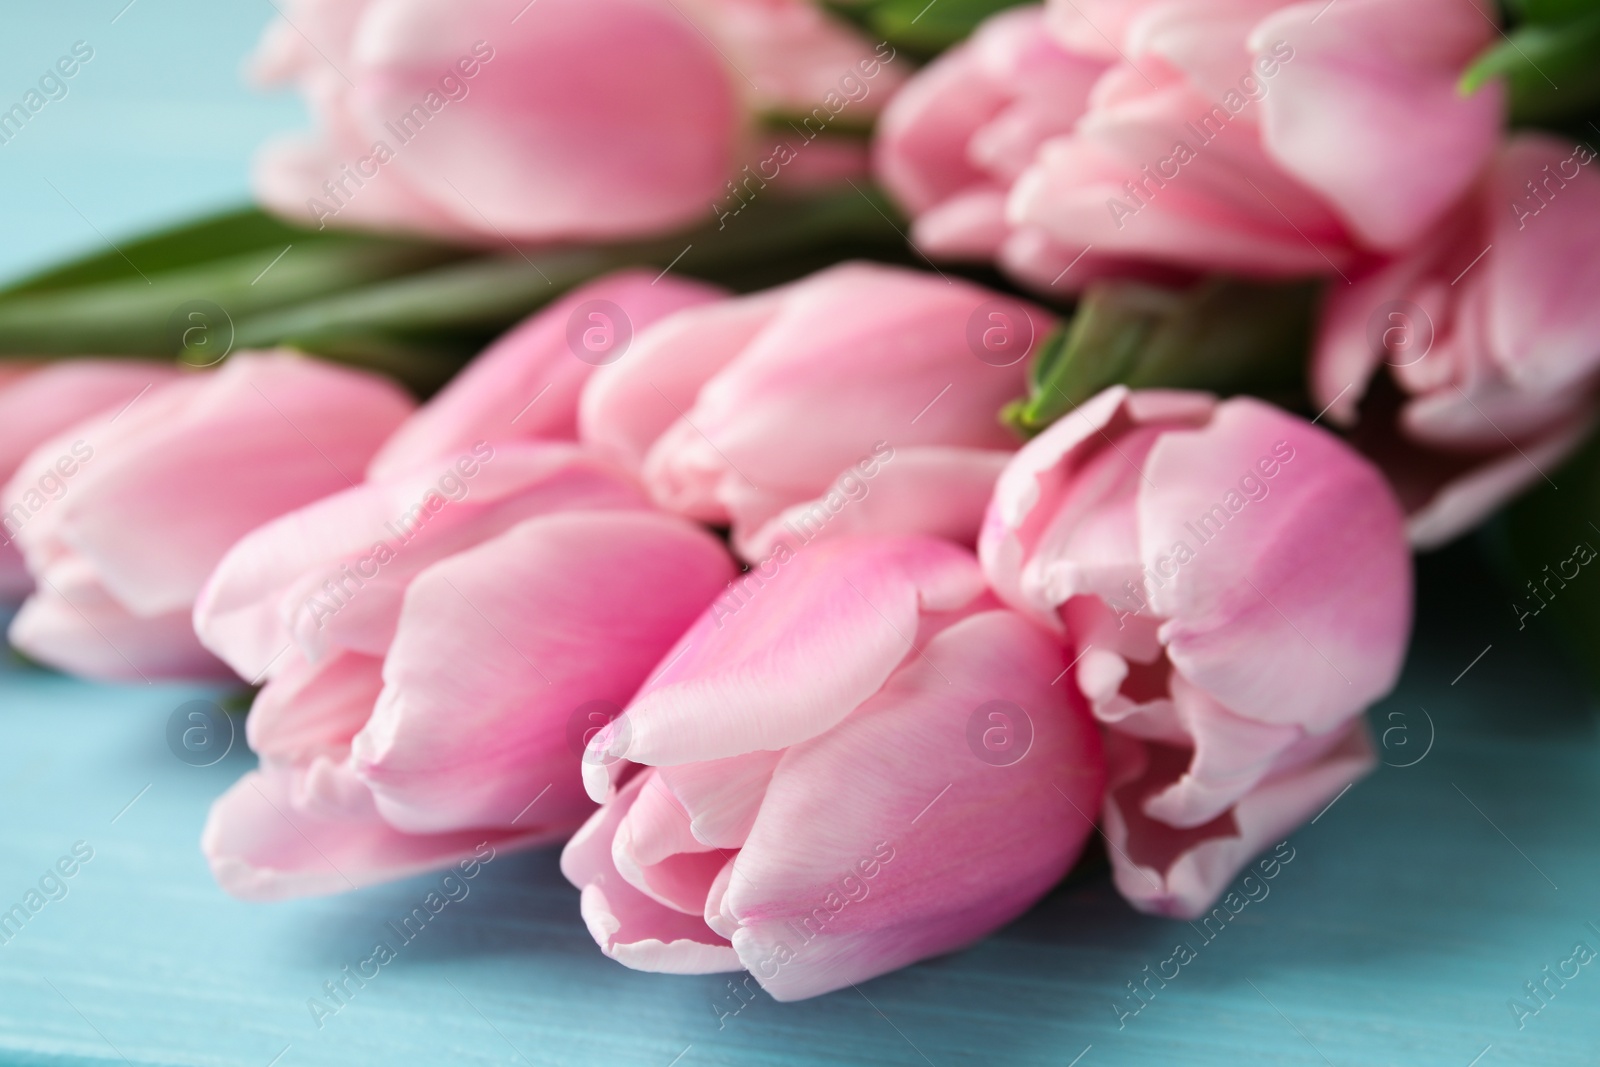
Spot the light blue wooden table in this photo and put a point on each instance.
(1415, 908)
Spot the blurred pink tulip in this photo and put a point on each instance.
(861, 399)
(1491, 332)
(1260, 137)
(954, 141)
(498, 120)
(38, 403)
(161, 486)
(825, 800)
(431, 641)
(1238, 587)
(525, 386)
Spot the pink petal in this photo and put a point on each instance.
(541, 142)
(334, 573)
(940, 492)
(773, 426)
(628, 404)
(1367, 112)
(310, 710)
(1181, 873)
(721, 797)
(526, 384)
(657, 855)
(745, 676)
(1037, 482)
(74, 625)
(1464, 502)
(888, 839)
(302, 429)
(1543, 320)
(627, 925)
(500, 645)
(1298, 614)
(262, 847)
(1225, 206)
(920, 149)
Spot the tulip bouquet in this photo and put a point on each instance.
(576, 449)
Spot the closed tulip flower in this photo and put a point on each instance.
(1270, 138)
(1237, 586)
(38, 403)
(163, 486)
(1479, 346)
(567, 119)
(487, 570)
(865, 764)
(860, 399)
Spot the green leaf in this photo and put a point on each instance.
(412, 309)
(194, 242)
(1552, 11)
(1551, 70)
(148, 316)
(1222, 335)
(920, 27)
(771, 241)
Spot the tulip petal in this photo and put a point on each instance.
(937, 492)
(499, 646)
(890, 838)
(314, 709)
(1368, 113)
(334, 573)
(526, 384)
(1177, 873)
(628, 404)
(261, 847)
(301, 428)
(732, 685)
(627, 925)
(542, 142)
(1298, 612)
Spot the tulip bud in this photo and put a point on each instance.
(1237, 585)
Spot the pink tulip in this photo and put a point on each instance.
(38, 403)
(954, 141)
(1259, 137)
(500, 120)
(161, 486)
(1237, 585)
(526, 385)
(861, 399)
(1489, 329)
(350, 607)
(823, 799)
(431, 639)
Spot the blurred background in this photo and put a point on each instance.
(159, 126)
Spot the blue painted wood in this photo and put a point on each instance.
(1414, 909)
